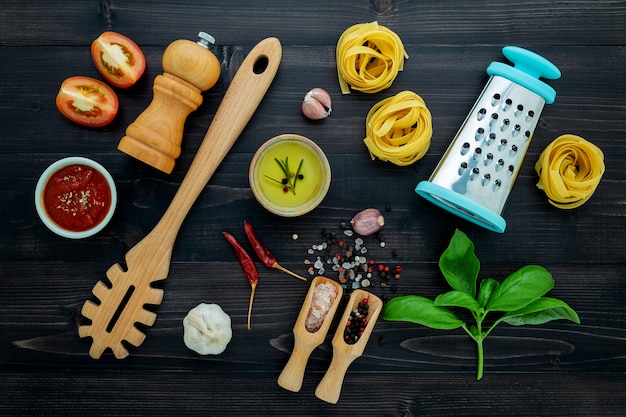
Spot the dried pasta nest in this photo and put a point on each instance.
(369, 57)
(399, 129)
(569, 169)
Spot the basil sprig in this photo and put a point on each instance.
(518, 300)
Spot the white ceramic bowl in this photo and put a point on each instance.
(40, 201)
(265, 175)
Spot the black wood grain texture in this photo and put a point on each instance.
(559, 368)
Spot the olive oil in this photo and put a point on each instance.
(311, 181)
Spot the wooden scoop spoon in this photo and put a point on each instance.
(304, 341)
(122, 305)
(344, 354)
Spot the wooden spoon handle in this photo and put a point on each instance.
(344, 354)
(329, 388)
(293, 374)
(242, 98)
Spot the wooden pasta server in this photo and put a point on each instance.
(122, 304)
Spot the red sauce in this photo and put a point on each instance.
(77, 197)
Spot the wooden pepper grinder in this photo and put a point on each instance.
(189, 68)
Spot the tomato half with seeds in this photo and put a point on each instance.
(87, 101)
(120, 61)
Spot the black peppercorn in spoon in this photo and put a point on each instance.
(329, 388)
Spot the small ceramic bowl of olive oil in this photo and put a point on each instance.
(289, 175)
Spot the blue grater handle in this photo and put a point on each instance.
(461, 205)
(528, 68)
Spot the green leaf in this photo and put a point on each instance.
(420, 310)
(521, 288)
(473, 331)
(541, 311)
(487, 287)
(459, 264)
(457, 299)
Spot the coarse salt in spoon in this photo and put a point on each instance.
(305, 341)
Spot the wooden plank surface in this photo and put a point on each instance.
(407, 370)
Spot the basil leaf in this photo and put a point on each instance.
(459, 264)
(541, 311)
(420, 310)
(487, 287)
(473, 331)
(457, 299)
(521, 288)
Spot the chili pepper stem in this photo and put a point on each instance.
(293, 274)
(253, 285)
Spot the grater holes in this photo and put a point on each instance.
(513, 150)
(496, 185)
(480, 133)
(502, 145)
(477, 153)
(465, 148)
(516, 130)
(518, 110)
(481, 114)
(475, 172)
(500, 164)
(505, 124)
(494, 119)
(462, 168)
(490, 139)
(527, 134)
(495, 99)
(530, 115)
(507, 104)
(485, 180)
(488, 159)
(511, 170)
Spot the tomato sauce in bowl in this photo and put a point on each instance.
(75, 197)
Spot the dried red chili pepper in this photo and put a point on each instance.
(263, 252)
(247, 265)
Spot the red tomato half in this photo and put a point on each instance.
(120, 61)
(87, 101)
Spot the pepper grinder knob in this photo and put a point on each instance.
(155, 136)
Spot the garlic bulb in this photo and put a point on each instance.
(317, 104)
(207, 329)
(367, 222)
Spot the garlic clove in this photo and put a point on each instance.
(317, 104)
(207, 329)
(367, 222)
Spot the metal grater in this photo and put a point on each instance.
(476, 174)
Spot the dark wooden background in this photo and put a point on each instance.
(555, 369)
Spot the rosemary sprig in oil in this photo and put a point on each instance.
(290, 179)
